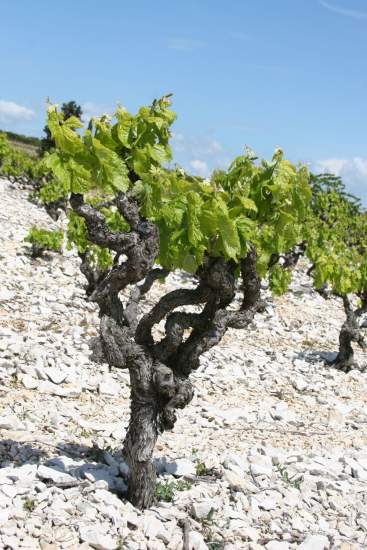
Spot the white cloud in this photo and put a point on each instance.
(196, 145)
(184, 44)
(213, 147)
(332, 165)
(344, 11)
(12, 112)
(203, 154)
(91, 109)
(200, 166)
(353, 171)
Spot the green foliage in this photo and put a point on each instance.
(114, 220)
(29, 504)
(16, 163)
(51, 192)
(166, 491)
(42, 239)
(336, 236)
(215, 545)
(293, 481)
(252, 203)
(77, 235)
(201, 469)
(329, 185)
(68, 110)
(266, 204)
(27, 140)
(108, 154)
(279, 279)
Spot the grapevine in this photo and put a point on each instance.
(133, 221)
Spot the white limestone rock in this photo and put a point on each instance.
(260, 465)
(11, 422)
(196, 541)
(181, 467)
(100, 541)
(46, 473)
(315, 542)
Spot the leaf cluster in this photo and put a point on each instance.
(261, 204)
(252, 203)
(109, 157)
(336, 236)
(16, 163)
(44, 239)
(20, 138)
(69, 109)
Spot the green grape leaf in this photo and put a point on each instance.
(228, 232)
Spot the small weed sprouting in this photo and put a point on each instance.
(166, 490)
(310, 343)
(216, 545)
(183, 485)
(86, 433)
(14, 379)
(296, 483)
(29, 504)
(94, 453)
(208, 520)
(209, 535)
(201, 469)
(210, 515)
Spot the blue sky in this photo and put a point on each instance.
(264, 73)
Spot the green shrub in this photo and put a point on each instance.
(29, 504)
(16, 163)
(166, 491)
(42, 239)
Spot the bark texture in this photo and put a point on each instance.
(290, 259)
(54, 208)
(159, 370)
(350, 332)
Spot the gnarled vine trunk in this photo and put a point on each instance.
(142, 432)
(159, 370)
(350, 332)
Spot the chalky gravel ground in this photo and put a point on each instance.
(273, 446)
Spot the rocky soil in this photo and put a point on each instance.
(271, 453)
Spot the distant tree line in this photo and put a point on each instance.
(28, 140)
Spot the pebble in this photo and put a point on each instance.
(56, 476)
(314, 542)
(180, 467)
(97, 540)
(261, 465)
(201, 510)
(56, 375)
(196, 541)
(279, 438)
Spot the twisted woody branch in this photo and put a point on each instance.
(159, 370)
(350, 332)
